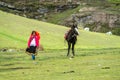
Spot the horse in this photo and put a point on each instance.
(72, 38)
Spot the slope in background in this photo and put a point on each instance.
(15, 31)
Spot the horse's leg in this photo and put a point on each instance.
(73, 52)
(69, 45)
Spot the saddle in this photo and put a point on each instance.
(67, 34)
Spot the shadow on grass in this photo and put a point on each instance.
(11, 56)
(61, 54)
(7, 64)
(12, 69)
(94, 52)
(53, 57)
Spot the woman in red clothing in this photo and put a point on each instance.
(33, 44)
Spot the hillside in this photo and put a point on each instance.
(98, 15)
(15, 31)
(92, 60)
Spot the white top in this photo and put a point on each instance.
(33, 43)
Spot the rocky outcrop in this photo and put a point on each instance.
(36, 10)
(104, 18)
(95, 19)
(3, 4)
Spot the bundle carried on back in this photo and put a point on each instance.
(67, 34)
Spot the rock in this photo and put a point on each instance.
(99, 65)
(37, 17)
(86, 29)
(106, 18)
(4, 50)
(109, 33)
(86, 9)
(42, 10)
(3, 4)
(60, 8)
(10, 50)
(11, 6)
(95, 20)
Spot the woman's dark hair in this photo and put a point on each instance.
(33, 32)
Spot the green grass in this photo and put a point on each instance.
(97, 55)
(60, 17)
(15, 31)
(100, 64)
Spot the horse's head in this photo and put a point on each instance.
(75, 29)
(72, 34)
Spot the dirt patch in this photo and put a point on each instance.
(105, 68)
(69, 72)
(16, 68)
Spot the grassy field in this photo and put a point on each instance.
(97, 55)
(15, 31)
(102, 64)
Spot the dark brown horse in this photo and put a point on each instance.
(72, 38)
